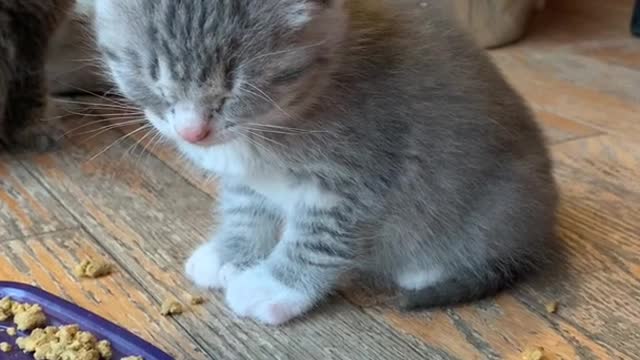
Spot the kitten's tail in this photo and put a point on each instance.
(465, 286)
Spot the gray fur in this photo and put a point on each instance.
(25, 29)
(430, 161)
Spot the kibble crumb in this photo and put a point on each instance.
(196, 300)
(92, 269)
(5, 347)
(12, 331)
(104, 348)
(28, 316)
(5, 309)
(171, 307)
(552, 307)
(534, 353)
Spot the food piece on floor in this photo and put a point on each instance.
(552, 307)
(132, 358)
(196, 300)
(64, 342)
(534, 353)
(12, 331)
(92, 269)
(171, 307)
(5, 347)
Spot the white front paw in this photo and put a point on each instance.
(257, 294)
(203, 267)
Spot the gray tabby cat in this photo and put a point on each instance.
(350, 137)
(25, 29)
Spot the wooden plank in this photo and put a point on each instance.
(48, 260)
(575, 69)
(149, 219)
(559, 129)
(623, 52)
(604, 112)
(26, 208)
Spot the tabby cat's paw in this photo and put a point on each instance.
(38, 138)
(255, 293)
(205, 268)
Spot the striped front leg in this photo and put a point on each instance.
(317, 248)
(247, 233)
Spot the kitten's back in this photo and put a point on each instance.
(468, 163)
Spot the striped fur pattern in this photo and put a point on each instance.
(350, 138)
(25, 29)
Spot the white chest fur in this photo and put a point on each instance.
(235, 162)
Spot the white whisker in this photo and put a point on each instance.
(120, 139)
(95, 122)
(286, 51)
(268, 98)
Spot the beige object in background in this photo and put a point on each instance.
(495, 22)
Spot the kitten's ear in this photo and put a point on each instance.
(301, 12)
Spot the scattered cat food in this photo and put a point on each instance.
(25, 316)
(534, 353)
(12, 331)
(171, 307)
(552, 307)
(5, 347)
(196, 300)
(65, 342)
(92, 269)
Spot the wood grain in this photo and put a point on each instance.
(26, 208)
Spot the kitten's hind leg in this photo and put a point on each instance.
(437, 288)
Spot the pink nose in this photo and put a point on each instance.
(195, 134)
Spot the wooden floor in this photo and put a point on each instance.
(143, 211)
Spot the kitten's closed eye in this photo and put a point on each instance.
(221, 103)
(292, 74)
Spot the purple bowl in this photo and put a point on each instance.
(61, 312)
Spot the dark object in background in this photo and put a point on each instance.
(635, 21)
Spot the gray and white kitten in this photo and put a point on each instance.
(25, 29)
(350, 137)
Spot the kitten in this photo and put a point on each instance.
(25, 29)
(349, 137)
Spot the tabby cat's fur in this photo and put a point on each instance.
(25, 29)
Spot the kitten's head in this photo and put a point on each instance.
(203, 68)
